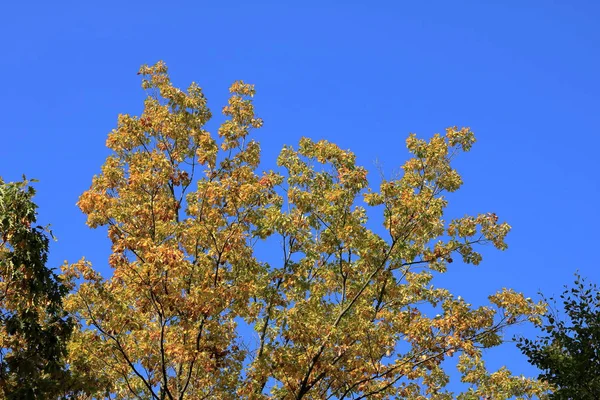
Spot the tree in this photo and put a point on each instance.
(34, 328)
(338, 309)
(569, 353)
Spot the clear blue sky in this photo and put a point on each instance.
(524, 75)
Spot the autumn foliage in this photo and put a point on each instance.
(340, 309)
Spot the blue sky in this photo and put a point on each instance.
(522, 74)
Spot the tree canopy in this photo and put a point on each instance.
(568, 353)
(34, 328)
(340, 308)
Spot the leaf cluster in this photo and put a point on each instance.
(34, 328)
(568, 352)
